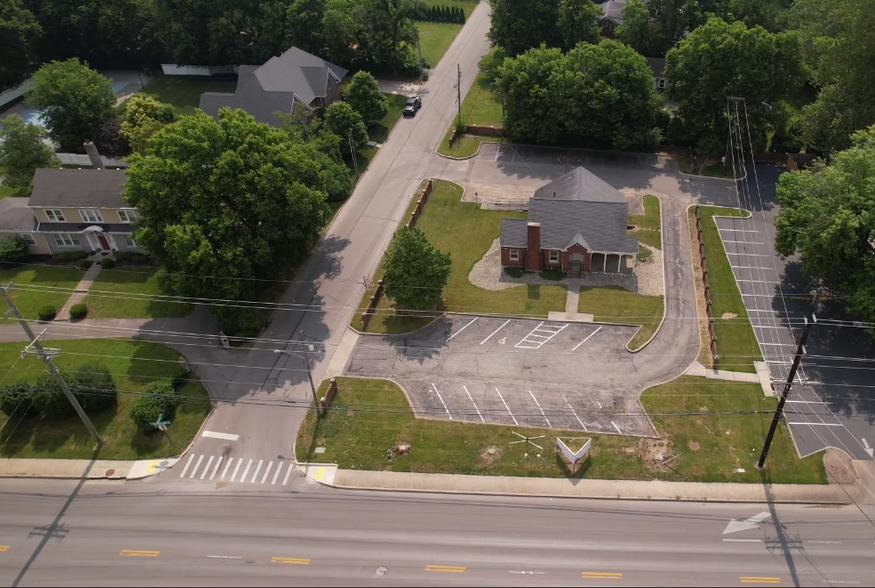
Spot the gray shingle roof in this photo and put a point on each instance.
(15, 215)
(75, 188)
(274, 86)
(579, 184)
(657, 66)
(613, 9)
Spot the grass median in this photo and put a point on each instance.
(707, 434)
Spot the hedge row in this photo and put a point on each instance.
(440, 14)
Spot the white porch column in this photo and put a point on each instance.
(619, 262)
(604, 262)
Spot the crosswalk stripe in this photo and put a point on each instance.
(288, 473)
(196, 466)
(267, 472)
(207, 467)
(236, 469)
(216, 469)
(279, 468)
(245, 471)
(187, 464)
(227, 465)
(255, 474)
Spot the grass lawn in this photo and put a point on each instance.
(359, 440)
(467, 5)
(736, 342)
(45, 277)
(613, 304)
(466, 232)
(127, 292)
(482, 104)
(434, 40)
(379, 131)
(184, 92)
(648, 225)
(466, 145)
(133, 365)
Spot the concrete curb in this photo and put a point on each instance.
(664, 288)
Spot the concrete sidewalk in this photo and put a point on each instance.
(80, 291)
(65, 468)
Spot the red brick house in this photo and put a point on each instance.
(577, 224)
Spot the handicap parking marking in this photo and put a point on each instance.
(494, 332)
(536, 339)
(585, 340)
(442, 401)
(507, 407)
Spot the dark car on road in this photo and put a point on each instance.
(413, 105)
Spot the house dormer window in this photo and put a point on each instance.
(55, 216)
(91, 216)
(128, 216)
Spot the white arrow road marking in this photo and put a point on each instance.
(868, 449)
(736, 525)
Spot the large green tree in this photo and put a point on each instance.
(224, 204)
(22, 151)
(721, 59)
(838, 44)
(520, 25)
(76, 101)
(416, 272)
(305, 26)
(828, 216)
(595, 95)
(660, 25)
(143, 117)
(343, 121)
(363, 94)
(19, 33)
(387, 30)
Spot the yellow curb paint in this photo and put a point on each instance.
(4, 547)
(760, 580)
(290, 560)
(319, 473)
(138, 553)
(447, 569)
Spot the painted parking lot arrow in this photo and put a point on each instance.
(736, 525)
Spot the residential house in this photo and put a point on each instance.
(657, 66)
(612, 17)
(577, 224)
(72, 209)
(295, 77)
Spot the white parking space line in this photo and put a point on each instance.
(187, 464)
(494, 332)
(746, 254)
(816, 424)
(207, 467)
(574, 413)
(474, 403)
(200, 458)
(534, 333)
(442, 401)
(541, 409)
(779, 345)
(506, 407)
(737, 230)
(288, 473)
(227, 465)
(807, 401)
(587, 339)
(743, 242)
(216, 468)
(279, 468)
(753, 267)
(215, 435)
(616, 427)
(254, 475)
(462, 329)
(267, 472)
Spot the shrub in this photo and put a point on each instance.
(124, 256)
(15, 398)
(514, 272)
(49, 399)
(107, 263)
(92, 385)
(78, 311)
(552, 274)
(13, 249)
(70, 255)
(233, 320)
(83, 264)
(46, 313)
(159, 398)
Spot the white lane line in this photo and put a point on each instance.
(255, 474)
(225, 436)
(462, 329)
(507, 407)
(223, 557)
(574, 413)
(826, 542)
(780, 345)
(817, 424)
(494, 332)
(806, 401)
(474, 403)
(747, 254)
(587, 339)
(228, 465)
(442, 401)
(737, 230)
(267, 472)
(245, 470)
(196, 466)
(279, 468)
(743, 540)
(216, 468)
(207, 467)
(188, 463)
(616, 427)
(743, 242)
(288, 473)
(753, 267)
(541, 409)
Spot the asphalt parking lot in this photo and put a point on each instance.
(513, 372)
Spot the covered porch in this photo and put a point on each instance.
(612, 263)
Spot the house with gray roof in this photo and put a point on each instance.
(295, 77)
(612, 16)
(576, 224)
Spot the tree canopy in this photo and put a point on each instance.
(363, 94)
(22, 151)
(20, 32)
(224, 204)
(721, 59)
(416, 272)
(828, 216)
(520, 25)
(342, 120)
(143, 117)
(75, 100)
(595, 95)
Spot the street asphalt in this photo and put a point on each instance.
(103, 533)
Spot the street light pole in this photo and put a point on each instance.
(309, 377)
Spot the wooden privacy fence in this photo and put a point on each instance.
(411, 222)
(715, 357)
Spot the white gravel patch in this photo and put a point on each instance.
(651, 279)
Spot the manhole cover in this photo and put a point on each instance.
(382, 570)
(109, 473)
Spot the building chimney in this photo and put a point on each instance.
(533, 247)
(93, 155)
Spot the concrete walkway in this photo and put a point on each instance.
(571, 303)
(761, 377)
(79, 292)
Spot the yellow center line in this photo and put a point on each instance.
(138, 553)
(603, 575)
(449, 569)
(290, 560)
(760, 580)
(4, 547)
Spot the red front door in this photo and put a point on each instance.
(104, 243)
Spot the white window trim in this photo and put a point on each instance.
(90, 216)
(130, 215)
(514, 255)
(660, 83)
(128, 241)
(61, 239)
(28, 238)
(55, 215)
(550, 256)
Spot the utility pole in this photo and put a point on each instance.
(459, 94)
(779, 411)
(47, 355)
(352, 152)
(419, 50)
(318, 404)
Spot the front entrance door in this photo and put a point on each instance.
(576, 264)
(104, 243)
